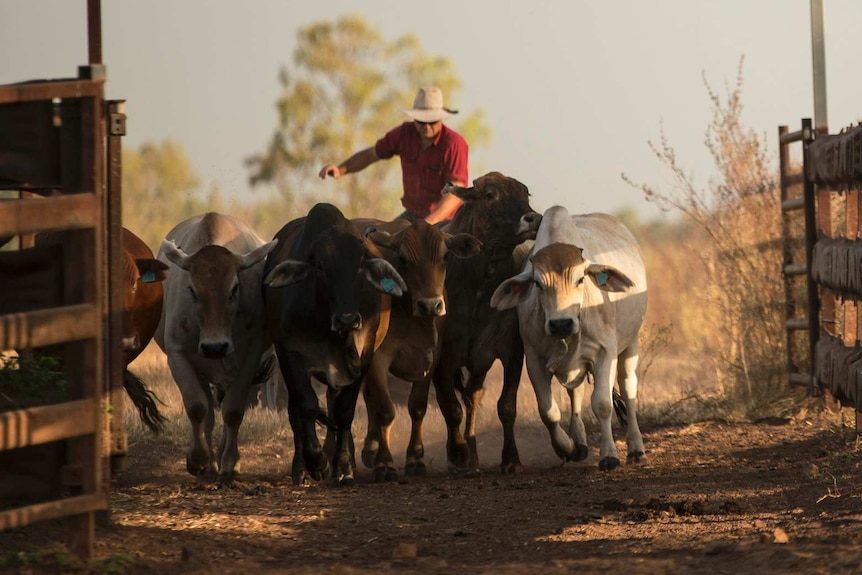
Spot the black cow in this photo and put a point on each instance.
(476, 335)
(327, 306)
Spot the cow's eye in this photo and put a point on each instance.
(539, 286)
(193, 293)
(580, 281)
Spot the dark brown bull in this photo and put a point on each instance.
(327, 311)
(476, 335)
(420, 253)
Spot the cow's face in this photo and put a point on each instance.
(422, 253)
(558, 282)
(496, 204)
(341, 265)
(213, 289)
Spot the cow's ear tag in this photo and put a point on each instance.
(388, 285)
(148, 277)
(602, 278)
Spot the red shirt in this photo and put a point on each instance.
(425, 172)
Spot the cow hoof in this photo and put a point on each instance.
(580, 452)
(368, 457)
(343, 481)
(225, 479)
(511, 468)
(317, 467)
(415, 469)
(197, 463)
(637, 458)
(609, 463)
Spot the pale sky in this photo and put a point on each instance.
(573, 90)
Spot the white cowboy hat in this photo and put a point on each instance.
(428, 106)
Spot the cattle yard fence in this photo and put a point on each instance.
(822, 226)
(60, 165)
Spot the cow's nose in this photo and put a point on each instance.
(561, 327)
(430, 306)
(346, 321)
(214, 350)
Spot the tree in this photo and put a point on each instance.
(737, 321)
(344, 91)
(160, 189)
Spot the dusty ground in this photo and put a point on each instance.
(772, 496)
(779, 495)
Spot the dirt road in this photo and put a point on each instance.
(717, 497)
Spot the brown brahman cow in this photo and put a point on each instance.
(420, 253)
(581, 300)
(327, 311)
(142, 306)
(212, 329)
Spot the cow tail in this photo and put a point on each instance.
(265, 369)
(324, 419)
(620, 408)
(144, 400)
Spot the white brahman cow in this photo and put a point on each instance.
(581, 301)
(212, 329)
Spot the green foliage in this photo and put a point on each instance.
(346, 88)
(113, 565)
(54, 557)
(736, 323)
(32, 380)
(160, 189)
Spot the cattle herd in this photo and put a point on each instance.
(348, 302)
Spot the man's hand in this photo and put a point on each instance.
(330, 170)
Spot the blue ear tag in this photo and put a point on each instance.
(388, 285)
(602, 278)
(148, 277)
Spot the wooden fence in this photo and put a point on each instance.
(59, 151)
(823, 262)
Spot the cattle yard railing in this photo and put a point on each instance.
(56, 139)
(828, 257)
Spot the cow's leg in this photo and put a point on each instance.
(372, 436)
(549, 411)
(628, 383)
(577, 431)
(417, 404)
(507, 407)
(232, 411)
(198, 403)
(344, 409)
(472, 398)
(298, 472)
(602, 402)
(457, 452)
(303, 408)
(377, 396)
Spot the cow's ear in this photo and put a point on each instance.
(609, 278)
(175, 254)
(383, 276)
(286, 273)
(255, 255)
(463, 245)
(379, 238)
(510, 293)
(151, 271)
